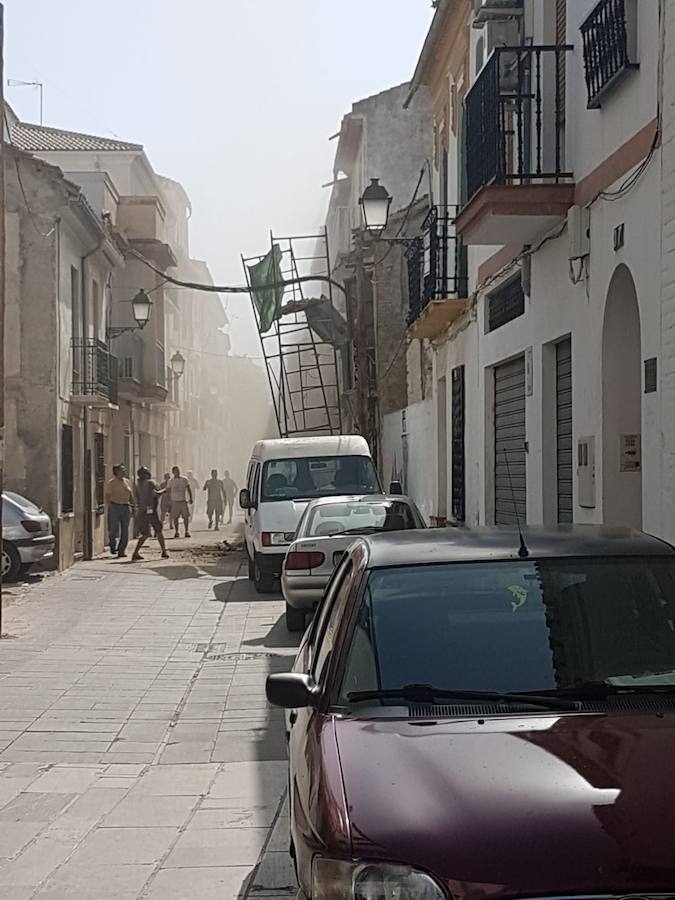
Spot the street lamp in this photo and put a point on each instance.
(141, 307)
(177, 364)
(375, 204)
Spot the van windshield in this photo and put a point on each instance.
(318, 476)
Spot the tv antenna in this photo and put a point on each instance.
(17, 82)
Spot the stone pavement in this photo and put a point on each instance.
(138, 755)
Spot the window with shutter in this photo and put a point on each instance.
(99, 470)
(458, 463)
(67, 469)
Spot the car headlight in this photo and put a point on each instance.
(334, 879)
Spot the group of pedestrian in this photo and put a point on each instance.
(153, 504)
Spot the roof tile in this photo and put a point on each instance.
(32, 138)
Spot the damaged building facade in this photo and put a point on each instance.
(86, 386)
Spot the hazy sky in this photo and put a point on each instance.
(236, 99)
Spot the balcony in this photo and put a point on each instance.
(142, 219)
(517, 182)
(142, 369)
(609, 36)
(437, 275)
(95, 375)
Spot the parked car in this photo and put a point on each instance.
(283, 476)
(327, 527)
(26, 535)
(474, 716)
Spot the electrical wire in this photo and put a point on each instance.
(233, 289)
(629, 183)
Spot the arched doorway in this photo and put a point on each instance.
(622, 404)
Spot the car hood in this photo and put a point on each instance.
(281, 515)
(545, 805)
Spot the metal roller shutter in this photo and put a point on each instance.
(510, 493)
(458, 461)
(563, 380)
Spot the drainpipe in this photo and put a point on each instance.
(88, 532)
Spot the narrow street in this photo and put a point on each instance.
(138, 756)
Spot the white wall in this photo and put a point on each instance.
(417, 482)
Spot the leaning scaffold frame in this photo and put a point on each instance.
(301, 348)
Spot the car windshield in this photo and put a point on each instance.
(22, 502)
(516, 626)
(318, 476)
(338, 518)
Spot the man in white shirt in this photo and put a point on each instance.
(181, 495)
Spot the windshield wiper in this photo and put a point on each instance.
(427, 693)
(590, 690)
(365, 529)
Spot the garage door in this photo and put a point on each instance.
(563, 382)
(510, 472)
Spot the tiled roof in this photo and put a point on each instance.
(35, 138)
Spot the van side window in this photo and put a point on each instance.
(256, 482)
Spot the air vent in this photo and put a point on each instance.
(464, 710)
(626, 703)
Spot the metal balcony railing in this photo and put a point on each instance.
(606, 34)
(515, 118)
(95, 370)
(437, 262)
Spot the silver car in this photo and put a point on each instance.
(26, 535)
(327, 528)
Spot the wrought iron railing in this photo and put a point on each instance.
(94, 370)
(437, 262)
(515, 119)
(605, 34)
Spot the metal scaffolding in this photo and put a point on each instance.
(301, 350)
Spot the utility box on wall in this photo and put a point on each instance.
(579, 231)
(586, 471)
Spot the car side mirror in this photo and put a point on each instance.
(291, 690)
(396, 488)
(245, 498)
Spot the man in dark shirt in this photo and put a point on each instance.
(147, 499)
(215, 496)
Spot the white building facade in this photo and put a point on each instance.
(551, 382)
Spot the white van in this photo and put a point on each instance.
(283, 476)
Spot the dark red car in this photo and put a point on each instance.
(472, 717)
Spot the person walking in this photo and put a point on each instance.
(165, 499)
(230, 490)
(147, 518)
(181, 495)
(119, 499)
(194, 487)
(215, 497)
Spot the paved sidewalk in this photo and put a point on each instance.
(138, 756)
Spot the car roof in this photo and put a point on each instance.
(439, 545)
(297, 448)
